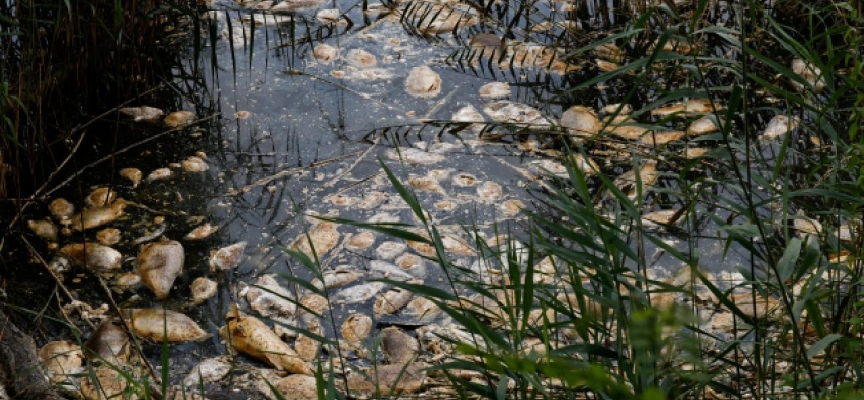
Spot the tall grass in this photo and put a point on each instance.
(64, 62)
(601, 322)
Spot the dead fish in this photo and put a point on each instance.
(151, 235)
(412, 264)
(356, 329)
(43, 228)
(414, 156)
(398, 347)
(159, 264)
(661, 217)
(201, 232)
(372, 199)
(515, 113)
(110, 384)
(108, 236)
(251, 336)
(307, 347)
(160, 174)
(178, 118)
(395, 379)
(627, 181)
(425, 183)
(328, 15)
(361, 241)
(423, 82)
(511, 207)
(98, 216)
(134, 175)
(61, 359)
(611, 109)
(487, 44)
(100, 197)
(490, 192)
(127, 281)
(610, 52)
(361, 58)
(291, 387)
(495, 90)
(389, 250)
(61, 208)
(470, 114)
(464, 179)
(358, 293)
(324, 236)
(581, 121)
(143, 113)
(269, 299)
(809, 72)
(202, 289)
(342, 276)
(806, 225)
(779, 126)
(208, 371)
(93, 256)
(391, 301)
(661, 138)
(164, 325)
(228, 257)
(384, 269)
(194, 164)
(702, 126)
(325, 54)
(422, 309)
(109, 343)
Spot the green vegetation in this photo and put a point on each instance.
(574, 306)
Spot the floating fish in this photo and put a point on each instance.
(251, 336)
(164, 325)
(159, 264)
(93, 256)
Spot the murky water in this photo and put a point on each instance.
(287, 136)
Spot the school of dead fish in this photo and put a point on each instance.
(160, 260)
